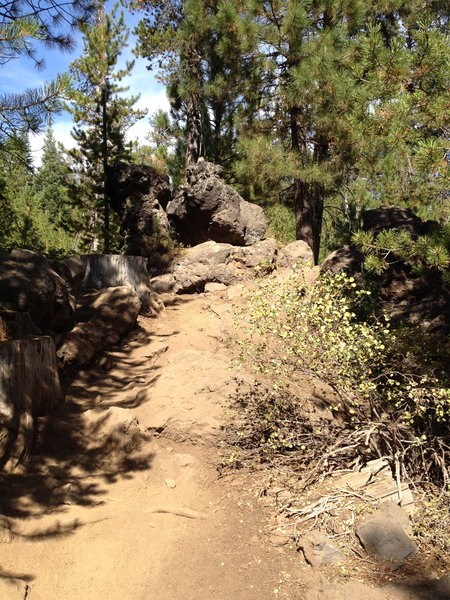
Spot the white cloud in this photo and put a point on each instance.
(140, 130)
(150, 102)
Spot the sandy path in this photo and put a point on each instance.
(123, 500)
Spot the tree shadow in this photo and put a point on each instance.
(86, 444)
(11, 576)
(435, 589)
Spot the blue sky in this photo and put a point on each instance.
(21, 74)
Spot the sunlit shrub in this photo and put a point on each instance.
(380, 380)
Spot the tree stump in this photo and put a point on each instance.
(16, 325)
(115, 270)
(29, 387)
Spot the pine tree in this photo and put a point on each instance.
(52, 183)
(345, 95)
(24, 222)
(22, 24)
(101, 113)
(338, 106)
(203, 69)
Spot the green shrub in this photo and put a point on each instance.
(296, 331)
(389, 395)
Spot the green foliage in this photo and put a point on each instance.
(160, 252)
(51, 183)
(22, 25)
(166, 149)
(280, 222)
(329, 332)
(30, 109)
(197, 49)
(313, 331)
(102, 115)
(336, 106)
(35, 213)
(430, 251)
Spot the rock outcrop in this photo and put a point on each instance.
(407, 295)
(397, 218)
(209, 264)
(16, 325)
(28, 283)
(139, 196)
(72, 270)
(293, 254)
(347, 259)
(104, 318)
(206, 208)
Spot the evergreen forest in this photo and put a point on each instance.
(315, 110)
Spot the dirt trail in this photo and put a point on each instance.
(123, 499)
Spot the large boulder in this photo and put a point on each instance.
(397, 218)
(347, 259)
(29, 284)
(72, 270)
(16, 325)
(406, 295)
(296, 253)
(105, 317)
(212, 262)
(206, 208)
(418, 298)
(139, 196)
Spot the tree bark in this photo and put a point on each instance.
(308, 197)
(105, 172)
(29, 387)
(308, 206)
(193, 125)
(113, 270)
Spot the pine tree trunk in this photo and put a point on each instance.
(193, 124)
(308, 198)
(308, 206)
(105, 186)
(29, 387)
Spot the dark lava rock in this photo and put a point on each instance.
(139, 196)
(206, 208)
(29, 284)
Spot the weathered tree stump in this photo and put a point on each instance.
(115, 270)
(29, 387)
(16, 325)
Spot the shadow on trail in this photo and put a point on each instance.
(93, 440)
(9, 575)
(428, 590)
(85, 445)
